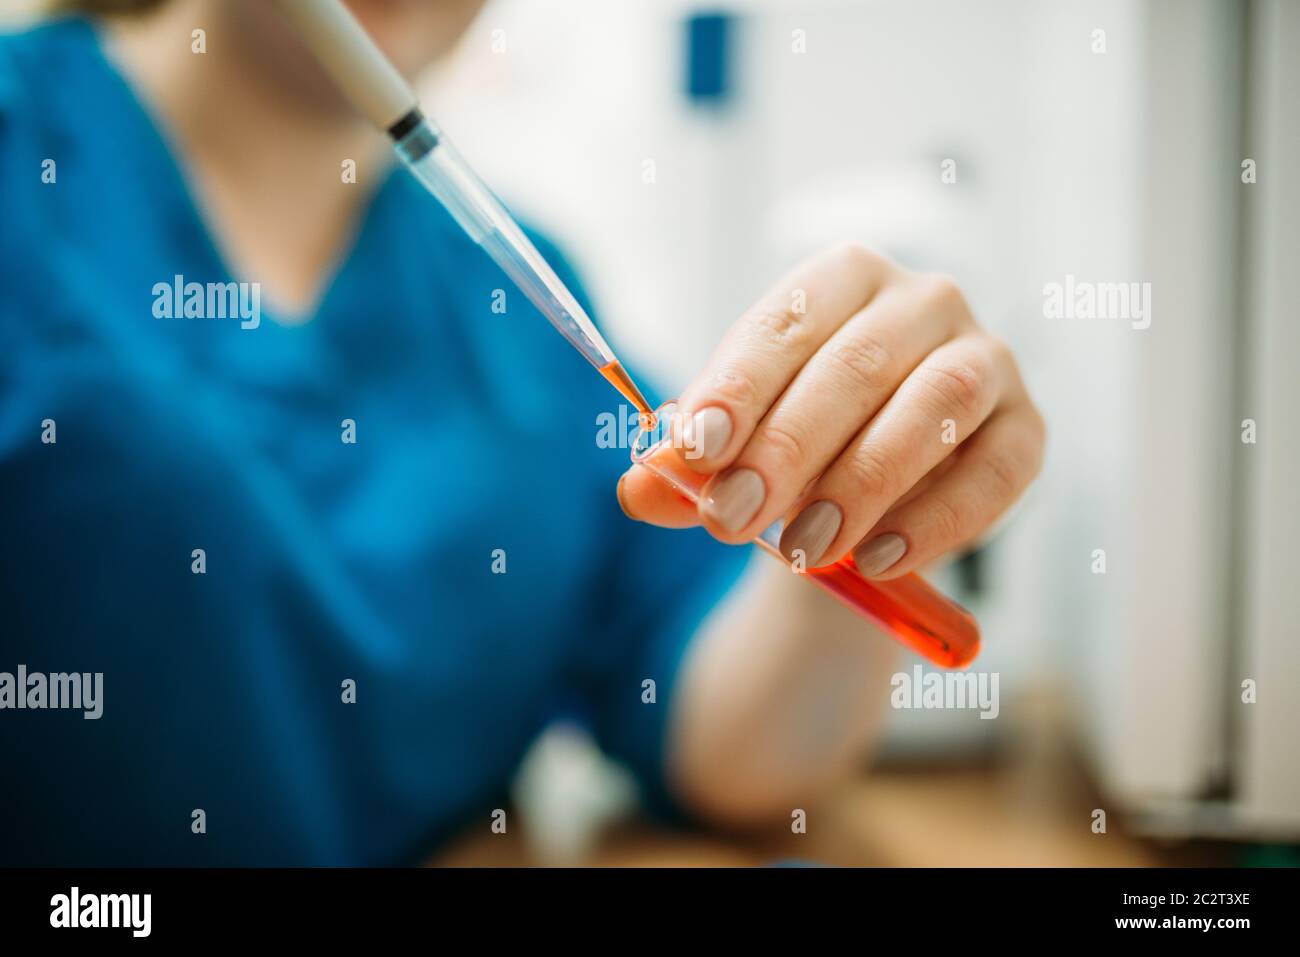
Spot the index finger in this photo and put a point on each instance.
(768, 345)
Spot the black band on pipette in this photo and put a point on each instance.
(407, 123)
(413, 137)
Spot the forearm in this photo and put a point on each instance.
(780, 697)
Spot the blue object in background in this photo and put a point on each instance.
(709, 39)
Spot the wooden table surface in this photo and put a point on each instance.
(967, 818)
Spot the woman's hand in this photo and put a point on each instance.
(865, 405)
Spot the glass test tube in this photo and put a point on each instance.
(908, 608)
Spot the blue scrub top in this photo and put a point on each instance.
(326, 561)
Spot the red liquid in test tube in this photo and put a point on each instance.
(908, 608)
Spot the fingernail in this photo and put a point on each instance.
(710, 433)
(880, 554)
(812, 532)
(735, 499)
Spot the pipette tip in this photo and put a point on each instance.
(617, 376)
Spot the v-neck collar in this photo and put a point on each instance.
(173, 177)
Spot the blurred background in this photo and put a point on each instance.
(1010, 144)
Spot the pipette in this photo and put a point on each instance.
(907, 607)
(375, 87)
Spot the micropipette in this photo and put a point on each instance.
(375, 87)
(907, 607)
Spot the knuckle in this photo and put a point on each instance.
(1007, 474)
(942, 293)
(1037, 431)
(864, 358)
(856, 256)
(1001, 353)
(947, 521)
(1003, 364)
(871, 475)
(734, 387)
(785, 446)
(956, 386)
(778, 325)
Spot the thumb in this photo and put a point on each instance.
(646, 497)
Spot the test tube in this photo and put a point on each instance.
(908, 607)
